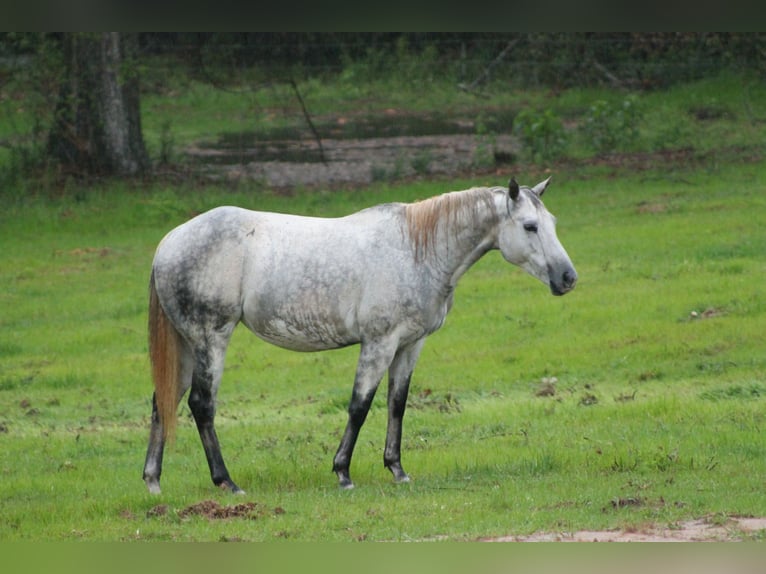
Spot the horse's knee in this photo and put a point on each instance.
(201, 404)
(359, 407)
(357, 414)
(398, 400)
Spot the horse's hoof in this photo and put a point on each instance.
(399, 475)
(153, 485)
(344, 481)
(229, 486)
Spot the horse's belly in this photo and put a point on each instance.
(301, 330)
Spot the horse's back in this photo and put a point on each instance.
(226, 238)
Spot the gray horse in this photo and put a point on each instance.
(383, 277)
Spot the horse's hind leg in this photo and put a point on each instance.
(156, 448)
(208, 369)
(154, 452)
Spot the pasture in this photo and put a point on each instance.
(636, 400)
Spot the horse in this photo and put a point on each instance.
(383, 278)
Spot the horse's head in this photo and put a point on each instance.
(527, 238)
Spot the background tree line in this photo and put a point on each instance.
(91, 82)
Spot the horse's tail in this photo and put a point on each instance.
(164, 353)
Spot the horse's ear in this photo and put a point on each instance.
(513, 189)
(540, 187)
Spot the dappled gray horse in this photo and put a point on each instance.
(383, 277)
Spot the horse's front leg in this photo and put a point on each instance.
(374, 359)
(397, 402)
(399, 375)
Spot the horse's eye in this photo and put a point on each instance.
(531, 227)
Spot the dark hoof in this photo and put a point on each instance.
(399, 475)
(153, 485)
(344, 480)
(229, 486)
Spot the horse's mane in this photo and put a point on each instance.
(426, 218)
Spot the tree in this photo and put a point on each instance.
(97, 125)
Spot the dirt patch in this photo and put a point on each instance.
(701, 530)
(155, 511)
(212, 510)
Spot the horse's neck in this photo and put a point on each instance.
(463, 243)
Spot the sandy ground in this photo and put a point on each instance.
(730, 530)
(733, 529)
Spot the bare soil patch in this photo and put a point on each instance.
(700, 530)
(213, 510)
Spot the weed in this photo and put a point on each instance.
(664, 460)
(624, 463)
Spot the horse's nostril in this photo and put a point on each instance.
(569, 278)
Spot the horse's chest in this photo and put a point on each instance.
(440, 314)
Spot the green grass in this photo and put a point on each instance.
(658, 405)
(657, 416)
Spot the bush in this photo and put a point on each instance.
(611, 126)
(542, 134)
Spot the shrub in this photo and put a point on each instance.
(610, 126)
(542, 134)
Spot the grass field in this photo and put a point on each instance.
(638, 399)
(655, 415)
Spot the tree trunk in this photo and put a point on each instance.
(98, 125)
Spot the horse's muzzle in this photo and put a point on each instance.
(566, 283)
